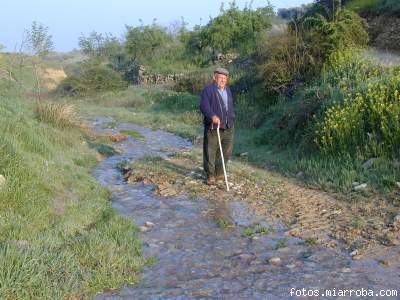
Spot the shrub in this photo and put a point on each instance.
(178, 103)
(193, 82)
(60, 115)
(283, 60)
(368, 120)
(93, 78)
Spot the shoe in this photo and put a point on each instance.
(211, 180)
(220, 179)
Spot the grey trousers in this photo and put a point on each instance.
(212, 161)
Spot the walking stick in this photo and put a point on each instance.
(222, 157)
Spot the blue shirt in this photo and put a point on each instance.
(224, 96)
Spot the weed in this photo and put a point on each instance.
(311, 241)
(281, 243)
(135, 134)
(109, 125)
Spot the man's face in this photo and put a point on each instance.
(220, 80)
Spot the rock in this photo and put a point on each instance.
(291, 266)
(100, 157)
(384, 262)
(300, 174)
(355, 183)
(274, 260)
(166, 190)
(246, 257)
(398, 184)
(362, 186)
(346, 270)
(396, 220)
(244, 154)
(369, 163)
(143, 228)
(117, 137)
(2, 181)
(148, 224)
(118, 151)
(354, 253)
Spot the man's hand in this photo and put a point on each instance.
(216, 120)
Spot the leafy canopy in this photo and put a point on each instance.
(38, 39)
(236, 29)
(143, 41)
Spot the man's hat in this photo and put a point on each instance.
(222, 71)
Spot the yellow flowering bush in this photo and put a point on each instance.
(368, 120)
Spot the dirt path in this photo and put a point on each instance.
(197, 258)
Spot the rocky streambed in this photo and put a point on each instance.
(196, 258)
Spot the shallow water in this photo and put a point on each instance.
(196, 259)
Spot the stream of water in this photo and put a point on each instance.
(196, 259)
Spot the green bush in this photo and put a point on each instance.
(283, 60)
(93, 78)
(352, 110)
(193, 82)
(368, 120)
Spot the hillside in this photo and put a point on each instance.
(383, 17)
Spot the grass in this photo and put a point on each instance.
(280, 243)
(311, 242)
(224, 224)
(152, 107)
(59, 236)
(57, 114)
(250, 231)
(101, 148)
(134, 134)
(109, 125)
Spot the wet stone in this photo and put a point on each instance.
(274, 260)
(148, 224)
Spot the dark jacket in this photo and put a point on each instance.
(211, 104)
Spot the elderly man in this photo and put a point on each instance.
(217, 107)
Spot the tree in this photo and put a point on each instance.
(100, 46)
(142, 42)
(39, 43)
(326, 27)
(237, 30)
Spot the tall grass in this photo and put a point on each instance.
(59, 237)
(60, 115)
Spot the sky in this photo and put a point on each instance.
(67, 20)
